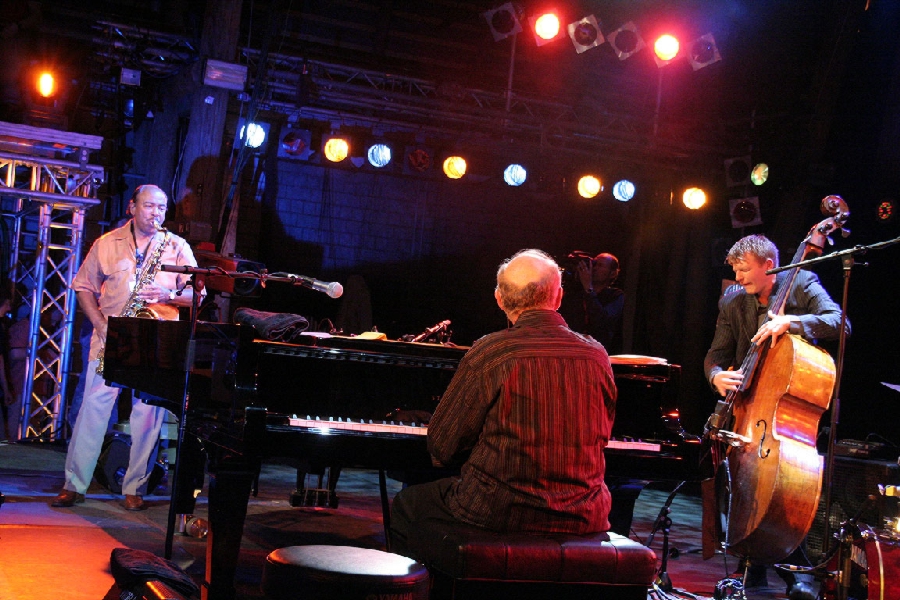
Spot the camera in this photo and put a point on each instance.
(570, 264)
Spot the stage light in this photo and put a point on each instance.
(623, 191)
(130, 77)
(885, 210)
(224, 75)
(296, 144)
(759, 174)
(665, 49)
(379, 155)
(626, 41)
(418, 159)
(589, 186)
(744, 212)
(515, 175)
(253, 134)
(737, 171)
(455, 167)
(503, 21)
(585, 34)
(703, 52)
(337, 149)
(546, 28)
(694, 198)
(46, 84)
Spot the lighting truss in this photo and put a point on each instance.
(43, 202)
(372, 98)
(353, 95)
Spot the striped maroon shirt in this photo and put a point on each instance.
(532, 407)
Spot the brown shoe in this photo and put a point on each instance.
(67, 498)
(133, 502)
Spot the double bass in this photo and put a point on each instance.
(762, 436)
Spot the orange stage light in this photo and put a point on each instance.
(336, 149)
(455, 167)
(46, 84)
(694, 198)
(589, 186)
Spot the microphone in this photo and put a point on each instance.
(333, 288)
(189, 270)
(431, 331)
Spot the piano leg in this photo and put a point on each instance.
(229, 494)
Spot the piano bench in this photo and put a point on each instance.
(470, 562)
(342, 573)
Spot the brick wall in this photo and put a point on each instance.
(428, 247)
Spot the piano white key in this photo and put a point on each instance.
(633, 445)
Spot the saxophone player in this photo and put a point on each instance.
(119, 273)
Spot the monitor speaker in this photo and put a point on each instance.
(853, 481)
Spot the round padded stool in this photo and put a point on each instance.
(342, 573)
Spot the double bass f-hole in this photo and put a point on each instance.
(762, 440)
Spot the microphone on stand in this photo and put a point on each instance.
(332, 288)
(189, 270)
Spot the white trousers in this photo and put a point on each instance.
(90, 428)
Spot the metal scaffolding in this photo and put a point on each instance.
(43, 202)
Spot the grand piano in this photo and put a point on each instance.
(335, 400)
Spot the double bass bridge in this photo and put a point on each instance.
(735, 440)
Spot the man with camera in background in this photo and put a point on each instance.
(592, 305)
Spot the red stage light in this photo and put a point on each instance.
(546, 26)
(666, 49)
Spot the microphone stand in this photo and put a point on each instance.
(333, 289)
(197, 285)
(847, 260)
(197, 282)
(664, 522)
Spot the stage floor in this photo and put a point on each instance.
(49, 553)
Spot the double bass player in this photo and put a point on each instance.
(745, 317)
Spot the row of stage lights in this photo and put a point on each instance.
(337, 149)
(379, 155)
(585, 33)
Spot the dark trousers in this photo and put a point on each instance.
(417, 503)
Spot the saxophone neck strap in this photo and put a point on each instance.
(139, 254)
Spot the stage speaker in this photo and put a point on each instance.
(854, 480)
(113, 462)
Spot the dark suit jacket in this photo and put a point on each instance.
(820, 318)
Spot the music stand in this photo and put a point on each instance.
(197, 282)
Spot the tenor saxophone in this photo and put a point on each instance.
(135, 306)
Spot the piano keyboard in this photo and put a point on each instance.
(364, 426)
(633, 445)
(416, 429)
